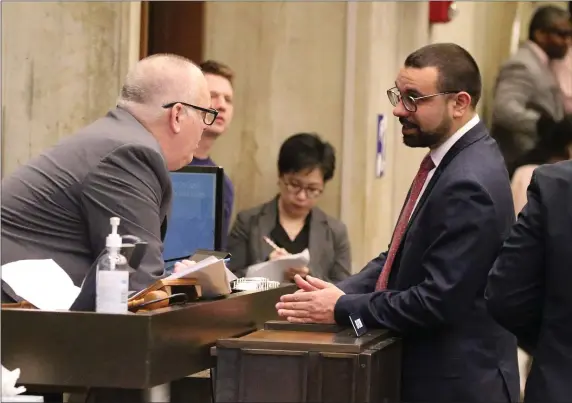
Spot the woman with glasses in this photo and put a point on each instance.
(291, 220)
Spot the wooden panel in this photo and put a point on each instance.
(342, 342)
(176, 27)
(256, 371)
(144, 38)
(154, 348)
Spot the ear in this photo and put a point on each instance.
(539, 36)
(462, 103)
(175, 114)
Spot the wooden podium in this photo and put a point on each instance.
(66, 351)
(308, 363)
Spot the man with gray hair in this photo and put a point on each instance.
(57, 206)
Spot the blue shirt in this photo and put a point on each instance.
(228, 197)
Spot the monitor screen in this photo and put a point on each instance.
(196, 215)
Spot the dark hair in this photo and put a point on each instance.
(554, 139)
(306, 151)
(217, 69)
(458, 71)
(544, 18)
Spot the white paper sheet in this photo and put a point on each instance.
(42, 283)
(192, 268)
(274, 269)
(212, 275)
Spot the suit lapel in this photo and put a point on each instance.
(266, 223)
(475, 134)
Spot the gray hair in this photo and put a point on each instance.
(159, 79)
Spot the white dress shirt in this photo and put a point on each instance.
(439, 153)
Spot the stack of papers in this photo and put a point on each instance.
(274, 270)
(41, 282)
(212, 275)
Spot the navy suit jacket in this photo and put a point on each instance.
(453, 351)
(530, 286)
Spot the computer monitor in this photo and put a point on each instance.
(197, 210)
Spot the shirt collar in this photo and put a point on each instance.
(541, 54)
(439, 153)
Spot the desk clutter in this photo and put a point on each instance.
(156, 347)
(43, 284)
(254, 284)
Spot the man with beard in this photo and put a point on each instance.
(429, 286)
(219, 78)
(527, 88)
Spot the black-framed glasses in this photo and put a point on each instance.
(295, 188)
(410, 102)
(209, 114)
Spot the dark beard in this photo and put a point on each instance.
(423, 139)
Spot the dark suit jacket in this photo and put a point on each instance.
(453, 351)
(329, 246)
(58, 204)
(530, 286)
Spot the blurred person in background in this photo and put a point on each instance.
(555, 145)
(527, 89)
(291, 219)
(219, 78)
(563, 70)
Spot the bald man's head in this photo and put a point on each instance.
(162, 78)
(169, 96)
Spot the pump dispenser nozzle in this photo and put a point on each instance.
(114, 240)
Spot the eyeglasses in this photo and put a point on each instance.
(295, 188)
(209, 114)
(410, 102)
(563, 33)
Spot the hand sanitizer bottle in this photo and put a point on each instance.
(112, 284)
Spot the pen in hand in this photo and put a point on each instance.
(278, 251)
(272, 244)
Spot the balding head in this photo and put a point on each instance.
(169, 96)
(162, 78)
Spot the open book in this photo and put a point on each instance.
(274, 269)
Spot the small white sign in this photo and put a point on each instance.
(380, 147)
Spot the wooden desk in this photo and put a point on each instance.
(308, 363)
(70, 350)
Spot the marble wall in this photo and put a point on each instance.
(300, 66)
(62, 67)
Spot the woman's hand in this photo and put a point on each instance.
(276, 253)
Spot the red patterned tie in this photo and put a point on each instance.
(426, 166)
